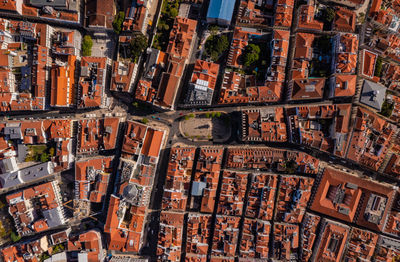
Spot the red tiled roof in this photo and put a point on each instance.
(89, 189)
(345, 85)
(284, 13)
(310, 226)
(345, 20)
(304, 43)
(233, 191)
(226, 236)
(144, 91)
(109, 132)
(92, 86)
(180, 38)
(152, 143)
(169, 82)
(261, 199)
(361, 245)
(288, 237)
(11, 253)
(121, 79)
(339, 196)
(375, 7)
(208, 170)
(198, 233)
(306, 18)
(300, 69)
(63, 83)
(238, 44)
(100, 13)
(252, 14)
(369, 60)
(332, 242)
(170, 235)
(289, 186)
(134, 135)
(385, 16)
(255, 239)
(304, 89)
(12, 5)
(206, 71)
(39, 71)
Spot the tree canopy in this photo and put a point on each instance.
(291, 166)
(329, 14)
(323, 43)
(118, 21)
(173, 12)
(216, 45)
(87, 45)
(251, 54)
(387, 108)
(15, 237)
(138, 44)
(214, 30)
(378, 67)
(170, 8)
(169, 11)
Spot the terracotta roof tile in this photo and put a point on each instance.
(345, 20)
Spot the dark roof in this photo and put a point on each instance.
(373, 94)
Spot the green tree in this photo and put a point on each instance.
(138, 44)
(87, 45)
(329, 14)
(251, 54)
(135, 104)
(222, 43)
(361, 18)
(44, 256)
(145, 120)
(51, 151)
(291, 166)
(167, 5)
(162, 26)
(15, 237)
(44, 157)
(387, 109)
(173, 12)
(378, 67)
(218, 114)
(323, 43)
(216, 45)
(118, 21)
(214, 30)
(58, 249)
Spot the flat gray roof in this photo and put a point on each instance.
(26, 175)
(53, 217)
(52, 3)
(373, 94)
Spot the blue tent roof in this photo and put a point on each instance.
(221, 9)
